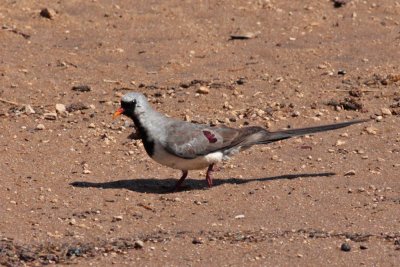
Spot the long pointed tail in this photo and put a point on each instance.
(285, 134)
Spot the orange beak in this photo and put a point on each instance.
(118, 113)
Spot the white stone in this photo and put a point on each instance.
(60, 108)
(203, 90)
(28, 109)
(350, 172)
(40, 127)
(386, 111)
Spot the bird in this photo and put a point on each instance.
(188, 146)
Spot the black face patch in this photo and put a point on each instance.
(210, 136)
(129, 107)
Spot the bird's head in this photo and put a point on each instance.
(132, 104)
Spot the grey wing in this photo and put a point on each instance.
(187, 140)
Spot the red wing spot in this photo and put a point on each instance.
(210, 136)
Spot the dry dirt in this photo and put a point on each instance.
(76, 189)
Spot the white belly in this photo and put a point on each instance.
(167, 159)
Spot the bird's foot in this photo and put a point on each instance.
(178, 185)
(208, 175)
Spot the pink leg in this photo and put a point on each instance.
(208, 175)
(179, 183)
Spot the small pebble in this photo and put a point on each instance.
(138, 244)
(243, 36)
(339, 3)
(340, 143)
(386, 111)
(40, 127)
(48, 13)
(275, 157)
(27, 109)
(345, 247)
(295, 114)
(371, 130)
(60, 108)
(92, 125)
(50, 116)
(203, 90)
(350, 173)
(117, 218)
(82, 88)
(241, 216)
(76, 106)
(197, 241)
(241, 81)
(363, 247)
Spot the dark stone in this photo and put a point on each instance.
(241, 81)
(26, 255)
(82, 88)
(351, 104)
(339, 3)
(345, 247)
(48, 13)
(74, 251)
(355, 93)
(197, 241)
(76, 106)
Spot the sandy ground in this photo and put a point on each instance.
(76, 189)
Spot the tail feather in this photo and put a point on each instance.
(285, 134)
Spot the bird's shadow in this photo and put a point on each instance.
(162, 186)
